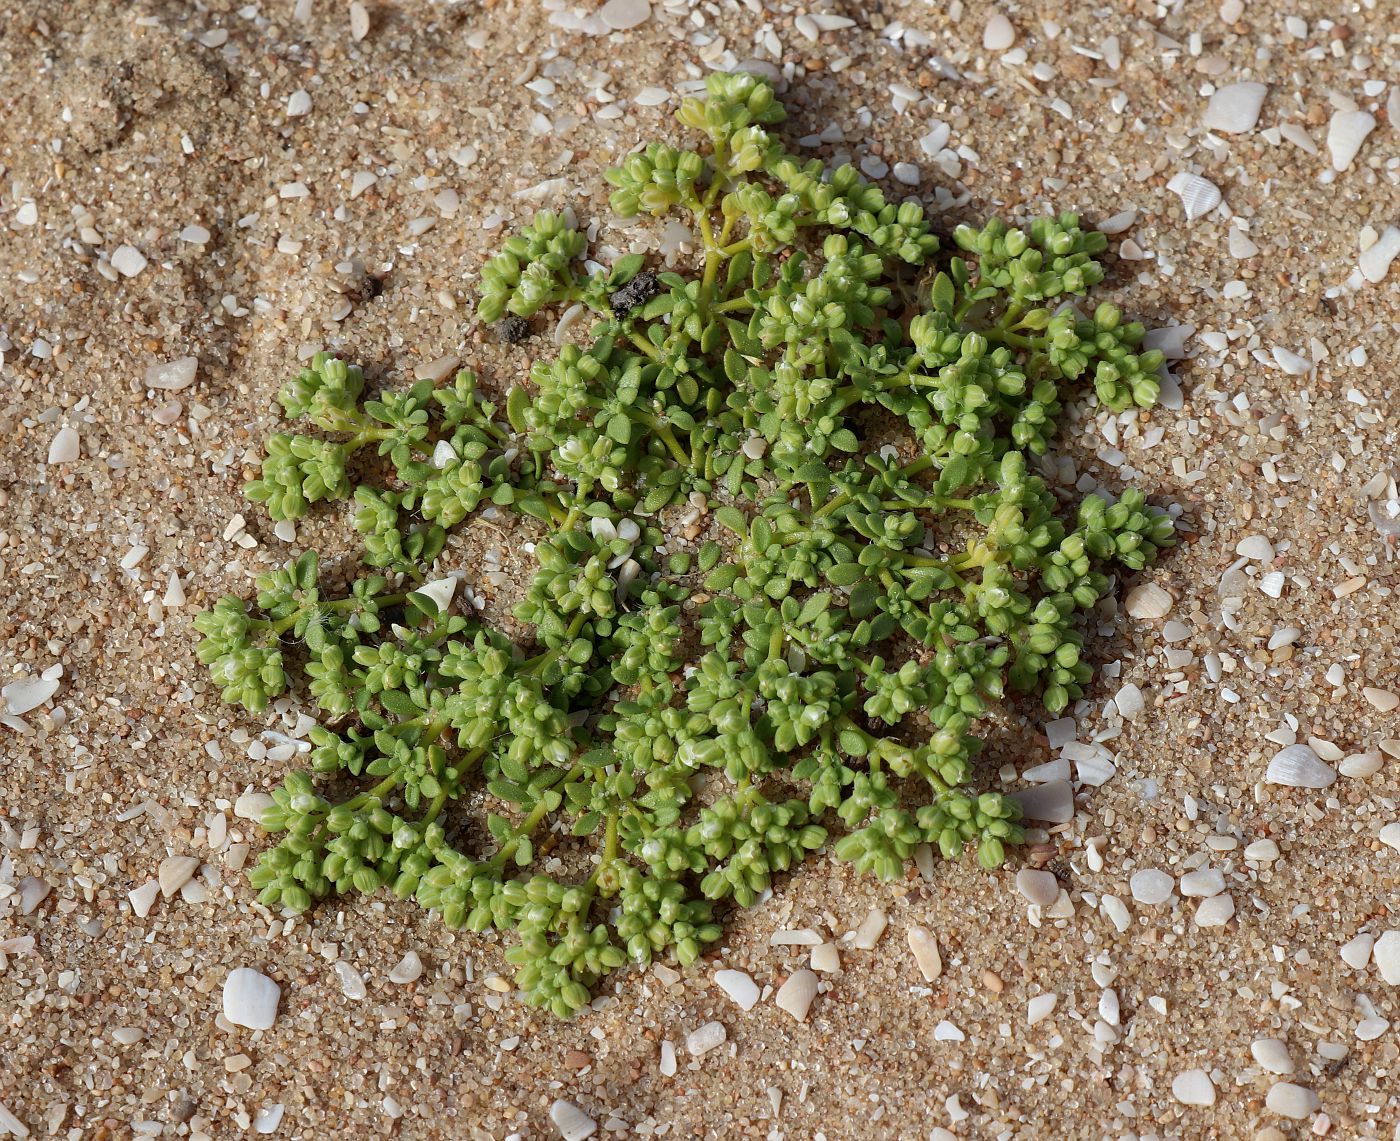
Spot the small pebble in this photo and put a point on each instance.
(1298, 766)
(175, 872)
(1386, 954)
(128, 261)
(1234, 109)
(705, 1038)
(1292, 1101)
(298, 104)
(998, 35)
(825, 958)
(172, 375)
(251, 998)
(1215, 911)
(1356, 952)
(1193, 1087)
(1272, 1054)
(1203, 883)
(870, 930)
(1262, 850)
(621, 15)
(143, 898)
(926, 955)
(1039, 887)
(1151, 886)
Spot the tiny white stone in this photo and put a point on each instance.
(1369, 1029)
(1386, 954)
(573, 1124)
(361, 181)
(1345, 134)
(825, 958)
(1040, 1008)
(1039, 887)
(195, 235)
(1151, 886)
(945, 1031)
(268, 1118)
(1382, 699)
(27, 214)
(739, 987)
(1215, 911)
(1234, 109)
(998, 35)
(1203, 883)
(1298, 766)
(172, 375)
(251, 998)
(64, 448)
(128, 261)
(1193, 1087)
(1116, 912)
(1148, 602)
(1376, 258)
(668, 1059)
(1294, 364)
(143, 898)
(1272, 1054)
(1095, 771)
(1199, 196)
(620, 15)
(705, 1038)
(352, 983)
(925, 948)
(795, 996)
(409, 969)
(1390, 836)
(298, 104)
(174, 872)
(1356, 953)
(440, 591)
(1058, 769)
(1293, 1101)
(1262, 850)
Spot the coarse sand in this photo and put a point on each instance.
(243, 185)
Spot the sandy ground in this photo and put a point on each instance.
(129, 125)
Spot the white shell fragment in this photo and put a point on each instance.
(298, 104)
(870, 930)
(573, 1124)
(251, 998)
(175, 872)
(705, 1038)
(143, 898)
(1233, 110)
(27, 693)
(1356, 953)
(1199, 196)
(64, 449)
(926, 955)
(1376, 258)
(795, 996)
(359, 21)
(1297, 766)
(1040, 1008)
(1202, 883)
(172, 375)
(1193, 1087)
(128, 261)
(352, 983)
(440, 591)
(739, 987)
(1216, 911)
(1345, 134)
(409, 969)
(1148, 602)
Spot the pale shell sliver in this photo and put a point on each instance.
(1297, 766)
(1199, 196)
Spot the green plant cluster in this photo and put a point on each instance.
(847, 413)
